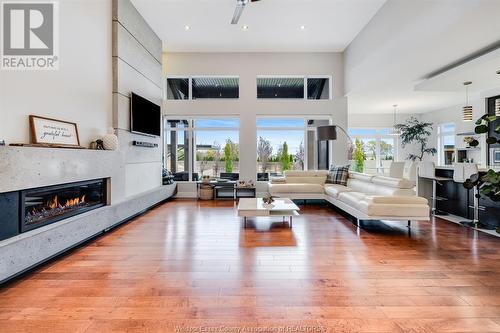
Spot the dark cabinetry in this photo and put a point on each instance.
(460, 200)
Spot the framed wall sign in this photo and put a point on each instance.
(47, 131)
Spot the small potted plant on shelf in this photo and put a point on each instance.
(468, 140)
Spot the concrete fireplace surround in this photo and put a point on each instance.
(24, 168)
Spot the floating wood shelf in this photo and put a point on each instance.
(45, 145)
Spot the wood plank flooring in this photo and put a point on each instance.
(189, 266)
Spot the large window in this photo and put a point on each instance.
(287, 144)
(377, 147)
(294, 87)
(446, 142)
(202, 87)
(217, 146)
(198, 147)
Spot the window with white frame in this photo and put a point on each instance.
(294, 87)
(197, 147)
(288, 143)
(446, 143)
(378, 149)
(203, 87)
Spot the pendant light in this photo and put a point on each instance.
(394, 130)
(467, 109)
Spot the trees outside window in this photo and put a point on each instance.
(358, 156)
(195, 147)
(379, 149)
(287, 144)
(285, 157)
(229, 153)
(300, 157)
(264, 153)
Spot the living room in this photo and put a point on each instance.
(264, 165)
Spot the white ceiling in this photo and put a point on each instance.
(407, 40)
(274, 25)
(481, 71)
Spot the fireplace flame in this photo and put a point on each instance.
(74, 202)
(54, 203)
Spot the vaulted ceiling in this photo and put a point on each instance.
(273, 25)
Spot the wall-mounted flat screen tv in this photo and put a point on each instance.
(145, 116)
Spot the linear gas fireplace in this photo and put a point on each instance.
(45, 205)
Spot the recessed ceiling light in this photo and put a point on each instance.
(245, 27)
(187, 27)
(302, 27)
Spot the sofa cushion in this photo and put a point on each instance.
(305, 180)
(295, 188)
(386, 206)
(306, 173)
(352, 199)
(278, 180)
(393, 182)
(361, 176)
(338, 175)
(397, 210)
(334, 190)
(399, 200)
(376, 189)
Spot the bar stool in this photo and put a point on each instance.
(427, 170)
(462, 172)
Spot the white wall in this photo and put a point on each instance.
(137, 67)
(407, 40)
(248, 66)
(80, 91)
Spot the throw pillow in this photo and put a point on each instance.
(278, 180)
(338, 175)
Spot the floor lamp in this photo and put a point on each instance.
(329, 132)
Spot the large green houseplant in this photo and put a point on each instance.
(418, 132)
(359, 156)
(488, 184)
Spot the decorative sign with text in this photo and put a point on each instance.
(53, 132)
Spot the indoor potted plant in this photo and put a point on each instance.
(416, 131)
(488, 184)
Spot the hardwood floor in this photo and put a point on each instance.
(187, 266)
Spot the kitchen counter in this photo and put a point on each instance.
(458, 200)
(481, 168)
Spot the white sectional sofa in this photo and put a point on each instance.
(366, 197)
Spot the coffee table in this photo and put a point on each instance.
(255, 207)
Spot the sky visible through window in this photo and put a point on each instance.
(216, 137)
(204, 136)
(292, 132)
(289, 130)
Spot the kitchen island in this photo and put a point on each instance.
(456, 202)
